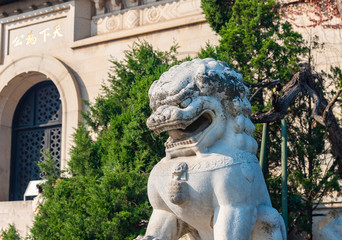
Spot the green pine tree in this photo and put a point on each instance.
(217, 12)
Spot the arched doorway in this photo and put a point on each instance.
(37, 126)
(16, 80)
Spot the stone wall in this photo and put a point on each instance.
(19, 213)
(318, 21)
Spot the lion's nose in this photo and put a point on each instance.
(162, 115)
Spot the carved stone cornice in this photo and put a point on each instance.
(138, 17)
(143, 19)
(19, 7)
(116, 6)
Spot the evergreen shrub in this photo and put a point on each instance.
(10, 234)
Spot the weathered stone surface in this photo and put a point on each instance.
(333, 230)
(209, 185)
(19, 213)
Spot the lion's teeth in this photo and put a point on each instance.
(185, 142)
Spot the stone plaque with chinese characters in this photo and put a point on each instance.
(41, 35)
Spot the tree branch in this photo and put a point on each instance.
(316, 107)
(327, 109)
(309, 83)
(255, 93)
(281, 104)
(262, 84)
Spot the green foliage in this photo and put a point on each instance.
(295, 203)
(310, 177)
(307, 162)
(258, 44)
(49, 171)
(335, 76)
(10, 234)
(217, 12)
(84, 158)
(106, 197)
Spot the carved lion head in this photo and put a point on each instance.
(199, 103)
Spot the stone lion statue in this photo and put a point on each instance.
(210, 185)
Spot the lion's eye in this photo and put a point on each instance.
(185, 103)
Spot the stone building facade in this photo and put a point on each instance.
(54, 54)
(318, 21)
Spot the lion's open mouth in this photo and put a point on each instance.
(194, 128)
(180, 136)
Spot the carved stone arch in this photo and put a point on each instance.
(15, 81)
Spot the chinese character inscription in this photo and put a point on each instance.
(42, 36)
